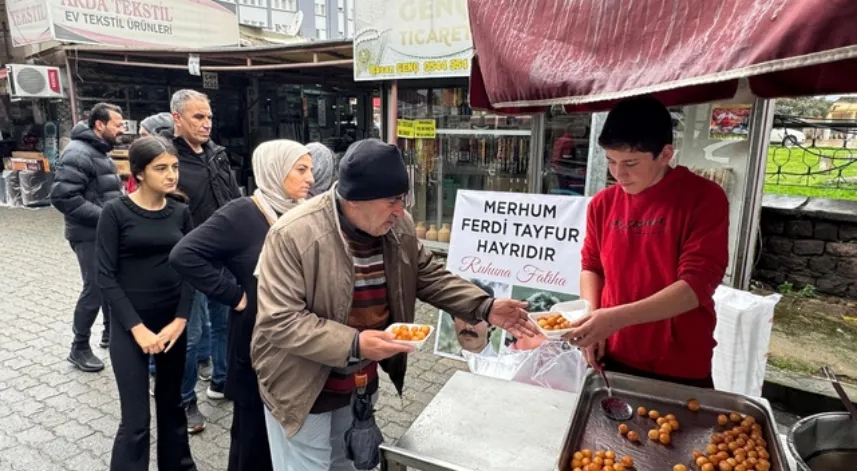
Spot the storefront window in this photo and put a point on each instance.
(448, 147)
(566, 152)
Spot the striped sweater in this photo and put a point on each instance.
(369, 310)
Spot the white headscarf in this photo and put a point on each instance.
(272, 161)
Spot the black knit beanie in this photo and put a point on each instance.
(371, 170)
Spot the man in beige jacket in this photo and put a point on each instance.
(334, 272)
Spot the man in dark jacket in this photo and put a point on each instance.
(84, 181)
(206, 178)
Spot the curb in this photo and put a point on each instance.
(802, 395)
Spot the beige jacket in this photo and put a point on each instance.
(305, 290)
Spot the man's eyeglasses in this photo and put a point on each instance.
(405, 199)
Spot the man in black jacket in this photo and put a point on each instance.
(84, 181)
(206, 178)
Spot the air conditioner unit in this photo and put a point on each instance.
(34, 81)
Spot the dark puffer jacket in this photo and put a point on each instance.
(206, 179)
(84, 181)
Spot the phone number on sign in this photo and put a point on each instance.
(415, 67)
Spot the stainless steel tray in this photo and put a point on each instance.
(590, 429)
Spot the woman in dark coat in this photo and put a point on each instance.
(233, 238)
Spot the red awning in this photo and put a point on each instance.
(588, 54)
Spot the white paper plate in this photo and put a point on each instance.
(415, 343)
(571, 310)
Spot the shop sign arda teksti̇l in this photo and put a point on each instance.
(514, 245)
(131, 23)
(402, 39)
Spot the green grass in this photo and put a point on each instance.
(796, 171)
(792, 364)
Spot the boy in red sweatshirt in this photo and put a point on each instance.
(656, 248)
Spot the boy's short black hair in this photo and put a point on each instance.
(639, 124)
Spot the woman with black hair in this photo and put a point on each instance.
(150, 303)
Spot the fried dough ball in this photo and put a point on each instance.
(722, 420)
(641, 411)
(693, 405)
(623, 429)
(633, 436)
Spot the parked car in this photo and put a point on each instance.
(787, 137)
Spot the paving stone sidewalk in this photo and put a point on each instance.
(55, 418)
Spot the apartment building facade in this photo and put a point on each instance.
(310, 19)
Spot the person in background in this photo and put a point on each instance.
(156, 124)
(656, 248)
(150, 304)
(208, 181)
(233, 238)
(84, 181)
(334, 251)
(152, 126)
(323, 169)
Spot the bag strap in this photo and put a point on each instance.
(259, 207)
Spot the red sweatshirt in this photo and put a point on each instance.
(640, 244)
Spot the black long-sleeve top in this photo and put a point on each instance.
(133, 246)
(232, 238)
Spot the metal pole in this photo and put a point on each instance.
(761, 123)
(596, 165)
(222, 68)
(537, 161)
(72, 95)
(393, 112)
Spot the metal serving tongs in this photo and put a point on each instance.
(831, 376)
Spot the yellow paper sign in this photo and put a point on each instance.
(405, 128)
(425, 129)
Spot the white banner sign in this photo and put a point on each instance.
(29, 23)
(513, 245)
(130, 23)
(402, 39)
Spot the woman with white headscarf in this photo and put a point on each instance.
(323, 168)
(233, 238)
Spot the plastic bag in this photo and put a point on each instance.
(555, 364)
(743, 334)
(12, 186)
(502, 366)
(35, 188)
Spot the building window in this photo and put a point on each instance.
(321, 7)
(321, 33)
(351, 31)
(341, 5)
(341, 24)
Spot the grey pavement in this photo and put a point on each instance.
(56, 418)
